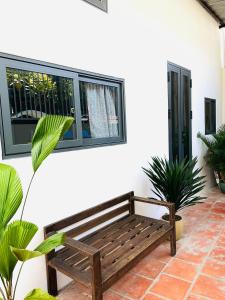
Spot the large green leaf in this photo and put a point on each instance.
(51, 243)
(11, 194)
(24, 254)
(38, 294)
(18, 235)
(45, 247)
(48, 132)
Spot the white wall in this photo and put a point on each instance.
(133, 41)
(222, 35)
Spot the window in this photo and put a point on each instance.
(30, 90)
(102, 4)
(210, 116)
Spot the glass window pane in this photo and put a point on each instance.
(207, 116)
(33, 95)
(210, 116)
(213, 116)
(186, 114)
(175, 115)
(99, 110)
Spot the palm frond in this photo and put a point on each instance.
(48, 132)
(11, 194)
(38, 294)
(17, 234)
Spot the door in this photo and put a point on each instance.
(179, 112)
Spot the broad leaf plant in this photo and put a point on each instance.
(15, 235)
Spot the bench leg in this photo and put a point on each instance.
(52, 281)
(97, 293)
(173, 243)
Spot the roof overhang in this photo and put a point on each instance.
(216, 8)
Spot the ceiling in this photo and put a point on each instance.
(216, 8)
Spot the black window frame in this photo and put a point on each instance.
(16, 150)
(212, 113)
(102, 4)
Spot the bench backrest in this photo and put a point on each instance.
(90, 224)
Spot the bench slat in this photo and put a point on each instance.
(56, 226)
(132, 257)
(100, 239)
(97, 221)
(82, 277)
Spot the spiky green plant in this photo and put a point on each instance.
(15, 235)
(215, 156)
(176, 182)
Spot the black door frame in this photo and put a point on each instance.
(171, 67)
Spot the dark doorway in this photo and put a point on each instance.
(179, 112)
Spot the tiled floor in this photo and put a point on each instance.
(197, 272)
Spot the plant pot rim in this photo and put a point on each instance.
(166, 217)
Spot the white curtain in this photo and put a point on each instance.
(101, 109)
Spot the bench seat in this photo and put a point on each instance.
(120, 245)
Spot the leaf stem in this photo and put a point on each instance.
(17, 280)
(25, 200)
(3, 282)
(2, 293)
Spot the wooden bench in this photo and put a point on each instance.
(101, 257)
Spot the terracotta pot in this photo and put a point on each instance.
(178, 223)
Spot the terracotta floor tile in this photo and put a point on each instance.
(214, 268)
(75, 291)
(207, 205)
(162, 252)
(219, 204)
(149, 266)
(196, 297)
(221, 241)
(151, 297)
(208, 226)
(181, 269)
(209, 287)
(132, 285)
(110, 295)
(170, 287)
(216, 218)
(218, 253)
(219, 210)
(201, 242)
(195, 255)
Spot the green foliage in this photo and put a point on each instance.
(45, 247)
(16, 236)
(11, 194)
(35, 82)
(51, 243)
(215, 156)
(176, 182)
(48, 132)
(38, 294)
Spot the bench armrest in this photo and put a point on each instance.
(169, 205)
(81, 247)
(153, 201)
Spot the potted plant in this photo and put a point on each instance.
(215, 155)
(176, 182)
(16, 235)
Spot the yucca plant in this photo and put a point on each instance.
(177, 182)
(16, 235)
